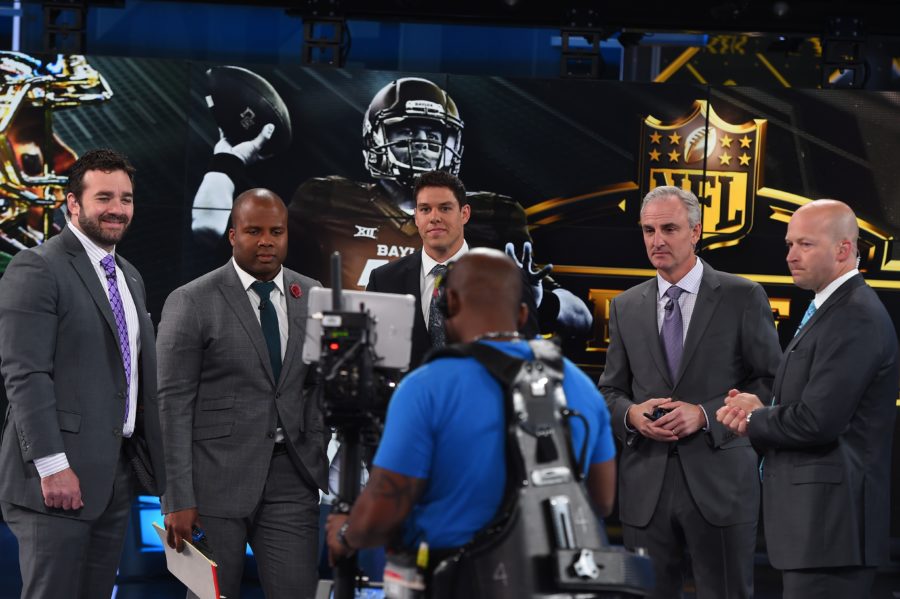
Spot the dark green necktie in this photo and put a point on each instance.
(268, 320)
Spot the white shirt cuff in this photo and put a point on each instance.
(51, 464)
(705, 417)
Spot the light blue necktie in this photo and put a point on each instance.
(806, 316)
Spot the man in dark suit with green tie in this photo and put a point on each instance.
(243, 432)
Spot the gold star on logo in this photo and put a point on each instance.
(654, 155)
(673, 156)
(655, 137)
(726, 141)
(745, 160)
(745, 141)
(674, 139)
(724, 159)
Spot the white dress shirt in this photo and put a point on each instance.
(823, 295)
(426, 279)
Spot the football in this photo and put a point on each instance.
(699, 144)
(242, 103)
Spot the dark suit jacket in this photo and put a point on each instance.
(731, 343)
(64, 376)
(219, 402)
(827, 439)
(402, 276)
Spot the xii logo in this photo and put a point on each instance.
(721, 163)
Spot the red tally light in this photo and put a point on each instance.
(334, 346)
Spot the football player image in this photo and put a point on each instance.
(33, 160)
(411, 126)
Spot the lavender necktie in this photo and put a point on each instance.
(118, 310)
(672, 332)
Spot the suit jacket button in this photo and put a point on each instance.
(270, 435)
(278, 394)
(121, 395)
(117, 432)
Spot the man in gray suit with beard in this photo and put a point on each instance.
(678, 343)
(826, 433)
(244, 436)
(79, 364)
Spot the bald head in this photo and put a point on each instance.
(484, 293)
(258, 196)
(836, 217)
(822, 243)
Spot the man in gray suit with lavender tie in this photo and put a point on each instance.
(244, 434)
(79, 365)
(678, 343)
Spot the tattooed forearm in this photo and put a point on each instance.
(383, 505)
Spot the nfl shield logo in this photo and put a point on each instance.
(718, 161)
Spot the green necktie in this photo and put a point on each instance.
(268, 320)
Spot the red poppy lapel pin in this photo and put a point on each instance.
(295, 290)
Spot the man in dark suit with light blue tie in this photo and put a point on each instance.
(826, 434)
(687, 485)
(79, 364)
(243, 430)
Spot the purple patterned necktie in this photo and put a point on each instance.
(118, 310)
(672, 332)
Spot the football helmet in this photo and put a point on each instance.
(411, 126)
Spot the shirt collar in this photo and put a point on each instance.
(247, 279)
(94, 251)
(689, 282)
(832, 287)
(428, 262)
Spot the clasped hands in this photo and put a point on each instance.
(684, 419)
(736, 409)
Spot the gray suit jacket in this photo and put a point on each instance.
(64, 377)
(219, 403)
(731, 343)
(827, 439)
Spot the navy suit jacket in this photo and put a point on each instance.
(827, 439)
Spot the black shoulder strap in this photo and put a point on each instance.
(501, 365)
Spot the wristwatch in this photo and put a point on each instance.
(342, 535)
(749, 414)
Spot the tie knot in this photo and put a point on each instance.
(263, 288)
(674, 292)
(439, 270)
(109, 265)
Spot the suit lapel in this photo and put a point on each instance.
(708, 298)
(832, 300)
(835, 298)
(296, 313)
(82, 265)
(236, 298)
(411, 281)
(650, 325)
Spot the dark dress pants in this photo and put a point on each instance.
(283, 532)
(721, 557)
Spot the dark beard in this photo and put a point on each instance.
(91, 228)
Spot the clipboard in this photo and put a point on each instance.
(191, 567)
